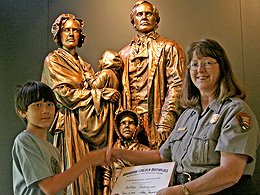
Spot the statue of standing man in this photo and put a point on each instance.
(152, 75)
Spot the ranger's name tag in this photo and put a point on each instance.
(181, 128)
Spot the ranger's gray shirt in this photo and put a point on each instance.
(197, 139)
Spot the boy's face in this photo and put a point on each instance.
(39, 115)
(127, 127)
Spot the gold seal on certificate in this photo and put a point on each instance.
(144, 179)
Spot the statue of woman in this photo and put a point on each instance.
(79, 126)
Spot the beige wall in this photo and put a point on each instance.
(26, 40)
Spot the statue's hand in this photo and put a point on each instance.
(115, 97)
(106, 190)
(163, 134)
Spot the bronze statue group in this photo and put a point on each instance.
(147, 104)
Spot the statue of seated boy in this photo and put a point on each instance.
(127, 128)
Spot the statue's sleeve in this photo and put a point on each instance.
(174, 70)
(100, 81)
(66, 82)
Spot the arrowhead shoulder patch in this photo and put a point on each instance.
(244, 121)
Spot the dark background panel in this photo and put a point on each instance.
(251, 60)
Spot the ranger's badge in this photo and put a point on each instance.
(214, 118)
(243, 120)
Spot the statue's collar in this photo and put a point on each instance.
(152, 35)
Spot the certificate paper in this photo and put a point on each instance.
(145, 179)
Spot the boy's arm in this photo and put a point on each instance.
(58, 182)
(136, 157)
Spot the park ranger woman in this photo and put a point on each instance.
(215, 140)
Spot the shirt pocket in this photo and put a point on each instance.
(203, 146)
(176, 140)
